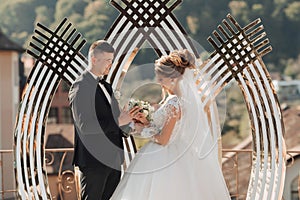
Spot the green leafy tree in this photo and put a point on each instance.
(67, 8)
(200, 18)
(16, 19)
(93, 19)
(292, 11)
(240, 10)
(44, 15)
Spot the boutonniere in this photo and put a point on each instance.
(117, 94)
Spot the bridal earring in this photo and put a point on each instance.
(172, 82)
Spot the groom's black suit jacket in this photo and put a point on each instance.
(98, 138)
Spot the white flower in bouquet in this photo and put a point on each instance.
(145, 106)
(145, 112)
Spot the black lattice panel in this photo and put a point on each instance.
(140, 21)
(59, 50)
(235, 48)
(57, 57)
(237, 55)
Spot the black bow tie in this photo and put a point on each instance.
(101, 80)
(106, 85)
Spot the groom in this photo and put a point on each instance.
(98, 145)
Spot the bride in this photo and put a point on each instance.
(181, 160)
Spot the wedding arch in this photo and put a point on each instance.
(237, 55)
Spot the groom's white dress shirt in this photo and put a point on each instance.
(102, 87)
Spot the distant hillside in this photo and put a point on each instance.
(93, 18)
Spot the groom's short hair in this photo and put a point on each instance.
(100, 46)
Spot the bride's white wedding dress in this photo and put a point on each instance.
(186, 168)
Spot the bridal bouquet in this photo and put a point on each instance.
(145, 106)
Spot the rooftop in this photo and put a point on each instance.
(7, 44)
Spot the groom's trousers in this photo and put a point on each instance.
(98, 183)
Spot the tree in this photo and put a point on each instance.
(67, 8)
(240, 10)
(93, 18)
(16, 19)
(44, 15)
(293, 68)
(293, 11)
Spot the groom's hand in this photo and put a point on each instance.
(126, 116)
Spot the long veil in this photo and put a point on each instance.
(195, 129)
(188, 167)
(191, 135)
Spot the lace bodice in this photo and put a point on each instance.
(162, 114)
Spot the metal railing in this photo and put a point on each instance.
(3, 190)
(236, 169)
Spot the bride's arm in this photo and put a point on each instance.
(164, 137)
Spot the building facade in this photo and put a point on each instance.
(9, 102)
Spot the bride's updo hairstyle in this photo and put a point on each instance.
(174, 64)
